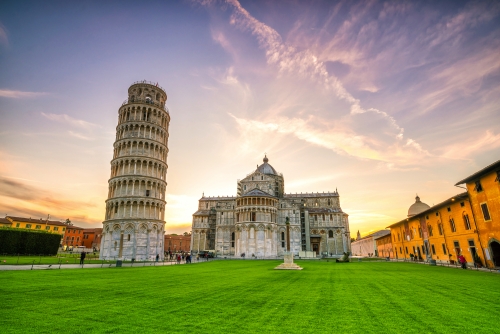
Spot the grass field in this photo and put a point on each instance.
(249, 296)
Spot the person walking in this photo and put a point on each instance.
(462, 261)
(82, 258)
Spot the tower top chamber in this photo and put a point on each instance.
(147, 92)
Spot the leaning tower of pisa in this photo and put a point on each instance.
(134, 223)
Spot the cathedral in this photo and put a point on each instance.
(254, 222)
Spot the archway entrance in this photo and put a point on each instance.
(495, 253)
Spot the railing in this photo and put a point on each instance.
(149, 83)
(146, 101)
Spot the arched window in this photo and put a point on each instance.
(330, 234)
(466, 221)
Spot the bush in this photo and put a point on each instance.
(18, 241)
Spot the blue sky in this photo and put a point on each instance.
(379, 99)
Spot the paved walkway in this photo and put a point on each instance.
(85, 266)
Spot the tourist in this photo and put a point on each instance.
(462, 261)
(82, 258)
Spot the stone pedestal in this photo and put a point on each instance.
(288, 263)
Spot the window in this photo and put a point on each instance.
(17, 225)
(232, 239)
(440, 228)
(47, 228)
(38, 227)
(427, 217)
(420, 232)
(28, 225)
(478, 186)
(433, 250)
(330, 234)
(462, 204)
(467, 222)
(116, 208)
(498, 176)
(254, 216)
(486, 213)
(262, 177)
(147, 192)
(245, 187)
(449, 209)
(128, 237)
(399, 239)
(400, 250)
(452, 225)
(406, 248)
(471, 243)
(316, 217)
(429, 228)
(437, 214)
(444, 249)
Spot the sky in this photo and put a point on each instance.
(381, 100)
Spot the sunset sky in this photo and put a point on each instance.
(379, 99)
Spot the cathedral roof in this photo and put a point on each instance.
(257, 192)
(417, 207)
(266, 168)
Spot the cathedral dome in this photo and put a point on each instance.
(417, 207)
(266, 168)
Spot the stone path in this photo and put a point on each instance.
(85, 266)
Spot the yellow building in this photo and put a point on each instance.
(441, 232)
(52, 226)
(483, 188)
(4, 222)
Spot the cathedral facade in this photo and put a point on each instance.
(254, 222)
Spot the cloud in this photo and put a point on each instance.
(338, 138)
(24, 192)
(308, 65)
(63, 118)
(20, 198)
(4, 39)
(17, 94)
(481, 143)
(79, 135)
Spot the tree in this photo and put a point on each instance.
(352, 239)
(68, 222)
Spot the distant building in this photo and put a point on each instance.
(92, 238)
(73, 236)
(384, 245)
(367, 245)
(4, 222)
(264, 221)
(52, 226)
(177, 243)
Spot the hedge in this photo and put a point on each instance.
(20, 241)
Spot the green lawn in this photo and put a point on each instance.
(249, 296)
